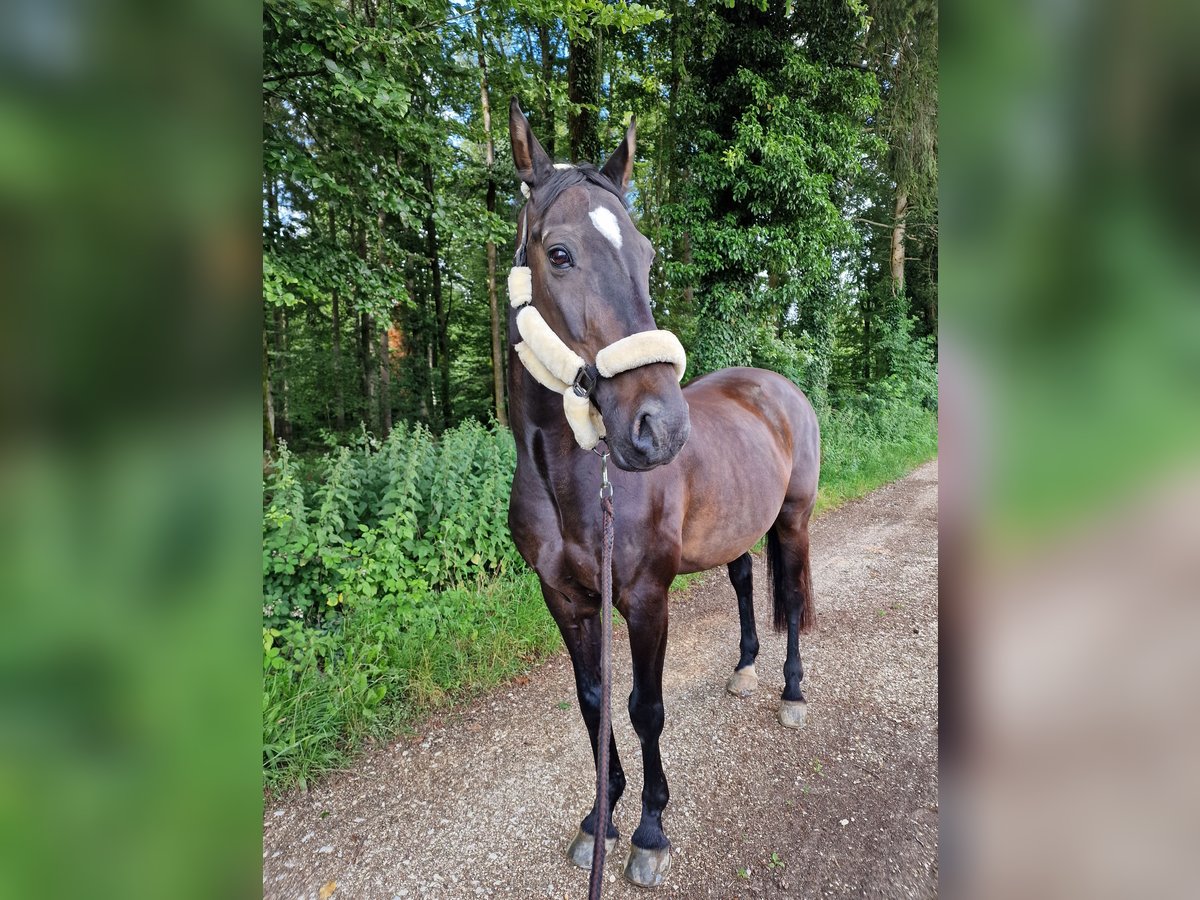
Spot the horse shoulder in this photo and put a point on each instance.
(533, 521)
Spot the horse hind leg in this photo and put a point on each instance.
(791, 582)
(744, 679)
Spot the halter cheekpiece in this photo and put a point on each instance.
(556, 366)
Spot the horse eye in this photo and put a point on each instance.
(560, 257)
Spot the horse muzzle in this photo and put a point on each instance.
(653, 437)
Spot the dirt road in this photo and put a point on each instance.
(484, 802)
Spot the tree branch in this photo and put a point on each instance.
(930, 225)
(860, 67)
(288, 76)
(470, 12)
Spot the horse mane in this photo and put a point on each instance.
(544, 195)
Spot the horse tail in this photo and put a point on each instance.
(775, 577)
(808, 617)
(794, 592)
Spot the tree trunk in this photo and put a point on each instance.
(385, 384)
(268, 400)
(583, 91)
(899, 225)
(689, 292)
(385, 356)
(365, 327)
(413, 384)
(434, 407)
(931, 296)
(816, 319)
(339, 398)
(546, 126)
(867, 313)
(283, 425)
(279, 416)
(490, 159)
(440, 313)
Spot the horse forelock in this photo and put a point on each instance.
(546, 193)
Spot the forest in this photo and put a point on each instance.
(786, 175)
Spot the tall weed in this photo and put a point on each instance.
(388, 582)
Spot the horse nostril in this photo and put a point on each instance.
(657, 432)
(643, 429)
(648, 430)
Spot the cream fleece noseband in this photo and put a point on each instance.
(556, 366)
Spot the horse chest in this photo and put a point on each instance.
(560, 536)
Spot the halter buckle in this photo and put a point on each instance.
(585, 381)
(606, 490)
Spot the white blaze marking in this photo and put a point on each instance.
(606, 224)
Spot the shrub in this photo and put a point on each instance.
(394, 560)
(396, 519)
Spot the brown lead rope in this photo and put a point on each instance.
(600, 826)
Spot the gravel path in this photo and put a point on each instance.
(483, 803)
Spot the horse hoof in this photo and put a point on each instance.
(647, 868)
(792, 713)
(742, 682)
(579, 851)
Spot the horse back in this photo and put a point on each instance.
(754, 445)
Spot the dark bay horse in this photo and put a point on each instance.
(703, 473)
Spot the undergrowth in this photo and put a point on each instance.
(392, 588)
(870, 443)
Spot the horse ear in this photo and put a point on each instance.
(619, 166)
(532, 162)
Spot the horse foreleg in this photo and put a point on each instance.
(650, 851)
(582, 637)
(744, 679)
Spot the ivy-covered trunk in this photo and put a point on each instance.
(339, 396)
(583, 92)
(773, 125)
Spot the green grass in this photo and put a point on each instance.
(317, 719)
(372, 678)
(683, 582)
(861, 451)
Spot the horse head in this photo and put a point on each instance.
(590, 273)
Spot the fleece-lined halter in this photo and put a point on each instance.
(556, 366)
